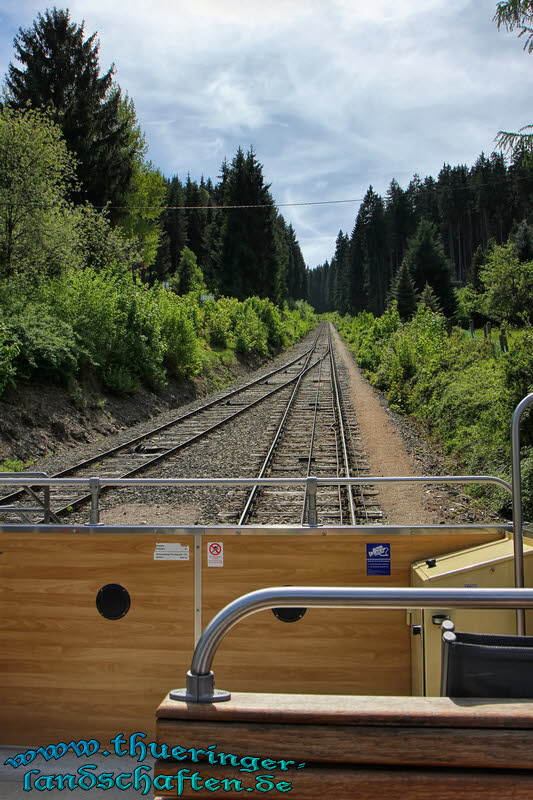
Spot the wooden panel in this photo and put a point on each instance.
(66, 671)
(335, 710)
(352, 783)
(368, 744)
(341, 650)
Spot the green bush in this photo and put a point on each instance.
(9, 350)
(181, 349)
(128, 334)
(464, 394)
(47, 345)
(251, 335)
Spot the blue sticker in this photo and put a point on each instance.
(378, 559)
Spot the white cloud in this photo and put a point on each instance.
(333, 94)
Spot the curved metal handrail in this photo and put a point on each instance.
(518, 513)
(201, 680)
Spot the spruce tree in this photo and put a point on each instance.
(522, 238)
(369, 252)
(430, 299)
(175, 222)
(60, 73)
(190, 274)
(248, 261)
(403, 291)
(296, 276)
(341, 261)
(427, 263)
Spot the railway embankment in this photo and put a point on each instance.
(42, 422)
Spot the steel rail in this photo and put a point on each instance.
(311, 444)
(78, 501)
(182, 445)
(341, 430)
(266, 463)
(200, 678)
(176, 421)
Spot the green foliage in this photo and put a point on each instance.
(455, 385)
(60, 72)
(270, 316)
(116, 325)
(517, 366)
(368, 335)
(143, 200)
(403, 291)
(9, 351)
(126, 333)
(14, 465)
(426, 261)
(190, 277)
(47, 346)
(430, 299)
(181, 345)
(415, 354)
(518, 14)
(468, 304)
(37, 229)
(522, 238)
(507, 286)
(251, 335)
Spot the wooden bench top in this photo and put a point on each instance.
(356, 710)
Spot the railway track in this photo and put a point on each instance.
(313, 434)
(153, 447)
(315, 437)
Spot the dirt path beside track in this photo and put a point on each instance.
(388, 455)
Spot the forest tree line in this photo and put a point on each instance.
(241, 251)
(436, 232)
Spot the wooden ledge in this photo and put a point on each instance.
(356, 710)
(353, 783)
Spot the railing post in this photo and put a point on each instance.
(518, 515)
(311, 486)
(47, 509)
(94, 487)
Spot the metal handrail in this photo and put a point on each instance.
(323, 481)
(518, 513)
(96, 484)
(200, 681)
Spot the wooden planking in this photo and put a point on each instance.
(356, 652)
(66, 672)
(368, 744)
(359, 783)
(60, 657)
(345, 710)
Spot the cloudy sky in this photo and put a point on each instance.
(334, 95)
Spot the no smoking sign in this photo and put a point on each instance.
(215, 554)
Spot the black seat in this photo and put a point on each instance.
(486, 665)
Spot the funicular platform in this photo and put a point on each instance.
(99, 624)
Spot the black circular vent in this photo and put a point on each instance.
(289, 614)
(113, 601)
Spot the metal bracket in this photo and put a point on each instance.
(311, 486)
(200, 689)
